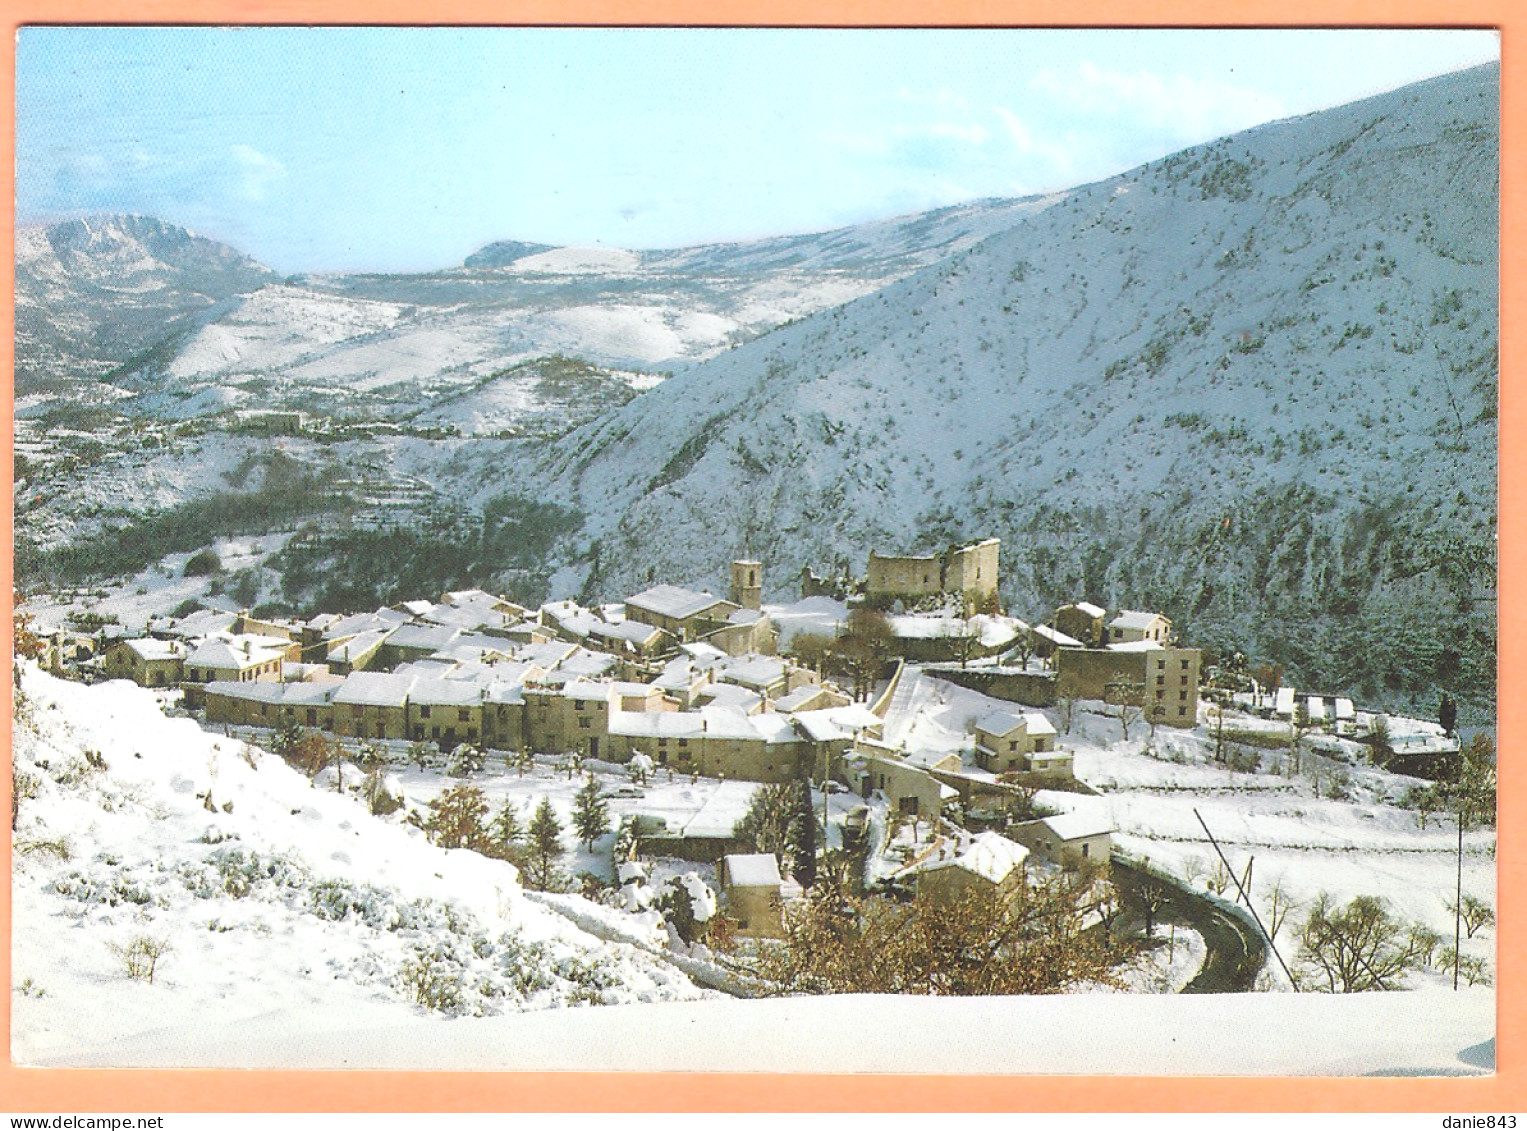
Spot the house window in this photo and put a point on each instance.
(1085, 852)
(464, 714)
(1185, 665)
(662, 742)
(312, 718)
(1160, 693)
(424, 712)
(1160, 679)
(584, 724)
(1183, 694)
(683, 742)
(356, 710)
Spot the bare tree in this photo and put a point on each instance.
(1126, 699)
(1280, 904)
(1153, 895)
(1359, 947)
(1032, 940)
(1065, 699)
(1219, 732)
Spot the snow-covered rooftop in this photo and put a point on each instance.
(1037, 723)
(989, 855)
(1055, 636)
(437, 691)
(1000, 723)
(754, 671)
(673, 601)
(1134, 618)
(656, 724)
(375, 689)
(754, 870)
(1078, 824)
(148, 648)
(235, 652)
(628, 630)
(424, 637)
(797, 698)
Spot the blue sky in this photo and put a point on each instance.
(406, 149)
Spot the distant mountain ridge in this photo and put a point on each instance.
(201, 318)
(92, 294)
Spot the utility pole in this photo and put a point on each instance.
(1458, 900)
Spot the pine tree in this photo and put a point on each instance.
(545, 847)
(505, 836)
(456, 817)
(803, 837)
(591, 814)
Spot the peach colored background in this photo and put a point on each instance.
(84, 1091)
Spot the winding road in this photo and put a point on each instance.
(1236, 950)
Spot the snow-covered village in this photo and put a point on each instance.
(684, 795)
(1048, 632)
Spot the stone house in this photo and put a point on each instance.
(1083, 622)
(989, 865)
(751, 886)
(1008, 743)
(373, 705)
(573, 716)
(445, 711)
(911, 791)
(1131, 627)
(745, 631)
(1164, 678)
(682, 613)
(629, 636)
(147, 662)
(416, 641)
(1071, 839)
(237, 659)
(355, 653)
(248, 625)
(272, 705)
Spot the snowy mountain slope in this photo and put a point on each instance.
(279, 901)
(1253, 384)
(93, 294)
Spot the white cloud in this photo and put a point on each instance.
(254, 173)
(1056, 158)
